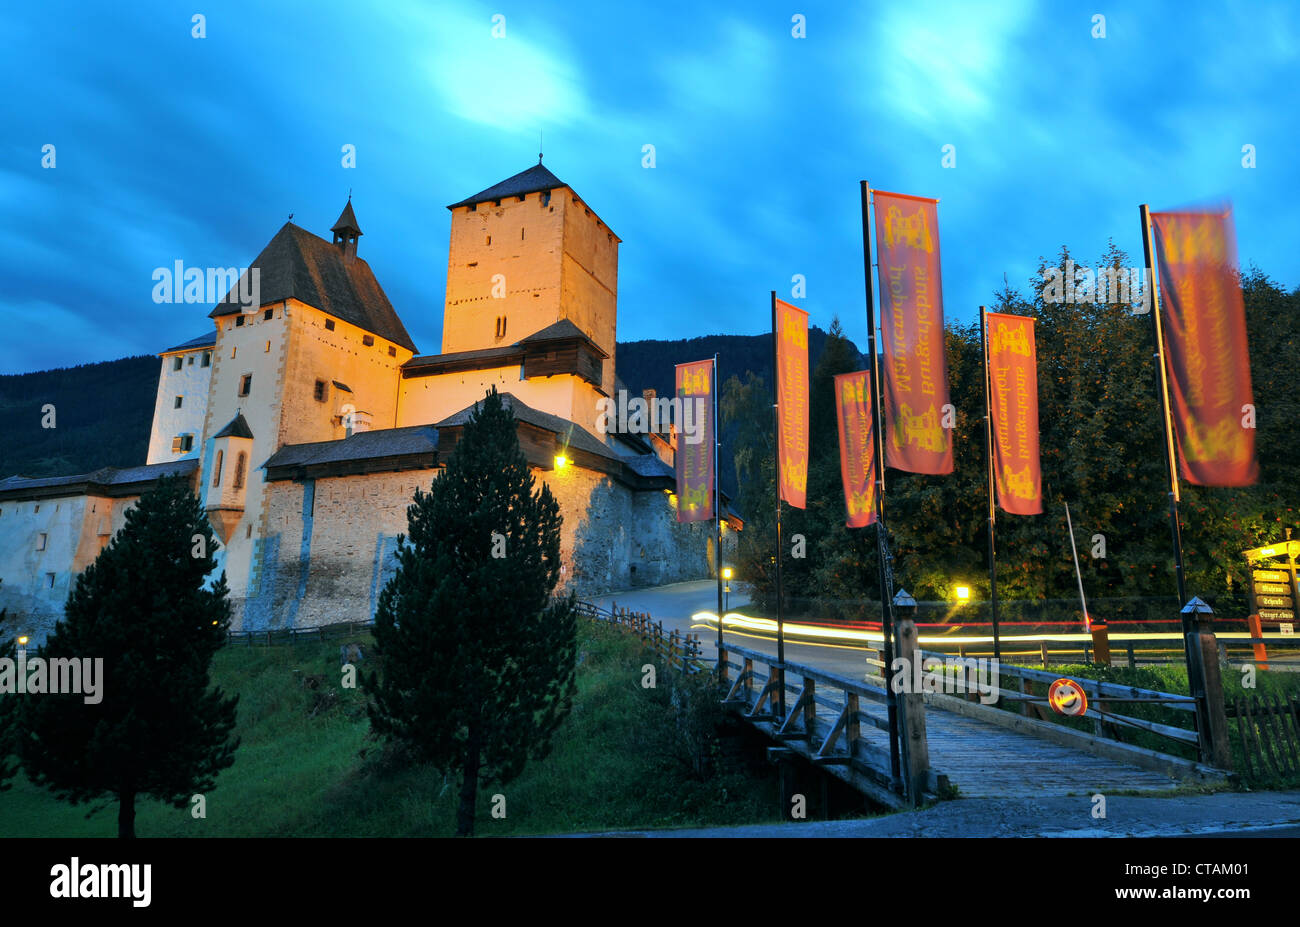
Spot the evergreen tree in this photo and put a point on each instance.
(477, 658)
(143, 608)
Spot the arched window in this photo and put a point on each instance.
(240, 463)
(216, 471)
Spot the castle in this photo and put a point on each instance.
(306, 419)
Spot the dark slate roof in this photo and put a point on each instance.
(562, 330)
(102, 478)
(347, 221)
(365, 445)
(238, 428)
(649, 465)
(203, 341)
(505, 354)
(574, 435)
(533, 180)
(296, 264)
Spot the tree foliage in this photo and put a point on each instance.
(145, 608)
(477, 658)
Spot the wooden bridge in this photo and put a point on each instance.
(949, 743)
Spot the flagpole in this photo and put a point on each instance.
(776, 484)
(878, 473)
(717, 496)
(988, 453)
(1162, 388)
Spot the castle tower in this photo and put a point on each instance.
(525, 254)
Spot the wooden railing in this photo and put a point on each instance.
(681, 651)
(834, 739)
(1268, 728)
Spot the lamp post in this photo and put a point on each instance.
(726, 575)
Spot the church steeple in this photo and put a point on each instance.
(346, 232)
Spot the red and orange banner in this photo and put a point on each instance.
(1206, 354)
(915, 387)
(694, 459)
(1013, 405)
(792, 400)
(857, 446)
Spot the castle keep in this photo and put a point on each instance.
(305, 422)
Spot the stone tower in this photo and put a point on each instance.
(524, 255)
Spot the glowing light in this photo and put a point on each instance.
(963, 593)
(1268, 551)
(561, 461)
(726, 573)
(22, 641)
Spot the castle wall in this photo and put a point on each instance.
(589, 280)
(317, 353)
(520, 239)
(191, 383)
(34, 583)
(429, 400)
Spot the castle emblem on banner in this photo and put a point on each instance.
(913, 231)
(1012, 338)
(1020, 483)
(922, 431)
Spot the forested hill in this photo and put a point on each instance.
(103, 412)
(102, 416)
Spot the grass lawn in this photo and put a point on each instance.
(308, 767)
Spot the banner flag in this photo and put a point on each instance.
(695, 460)
(915, 382)
(857, 446)
(792, 400)
(1013, 390)
(1206, 353)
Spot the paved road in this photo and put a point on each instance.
(1234, 814)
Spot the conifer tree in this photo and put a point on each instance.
(144, 608)
(477, 657)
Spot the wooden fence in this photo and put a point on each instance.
(1268, 728)
(682, 651)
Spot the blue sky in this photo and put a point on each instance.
(170, 147)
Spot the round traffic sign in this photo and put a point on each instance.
(1067, 698)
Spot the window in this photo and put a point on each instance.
(207, 359)
(176, 363)
(239, 320)
(189, 361)
(240, 463)
(232, 351)
(248, 532)
(320, 392)
(176, 444)
(40, 541)
(329, 325)
(187, 443)
(489, 239)
(180, 400)
(36, 508)
(521, 234)
(392, 351)
(216, 470)
(546, 197)
(268, 315)
(49, 580)
(268, 347)
(501, 326)
(245, 384)
(368, 340)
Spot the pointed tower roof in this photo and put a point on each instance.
(347, 221)
(238, 428)
(533, 180)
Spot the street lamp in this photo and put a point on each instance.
(726, 575)
(963, 593)
(904, 604)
